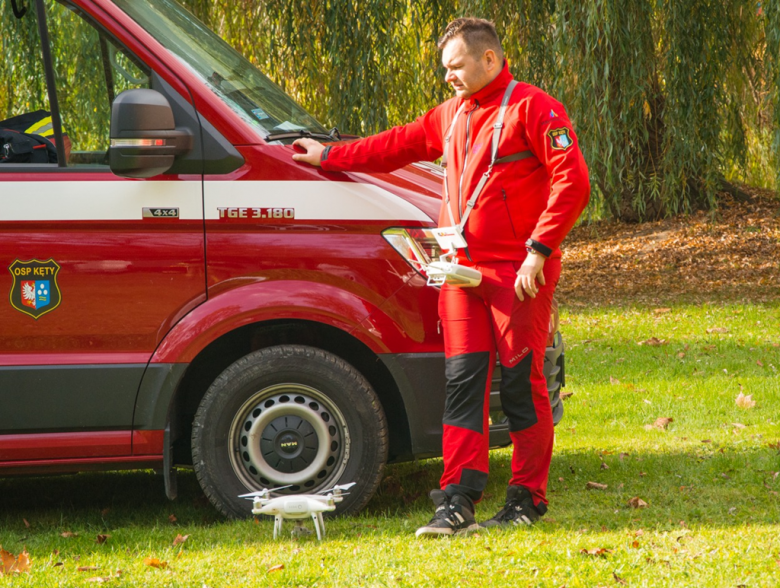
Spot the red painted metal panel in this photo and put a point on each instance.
(17, 449)
(59, 466)
(148, 442)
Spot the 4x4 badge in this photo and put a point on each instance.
(35, 290)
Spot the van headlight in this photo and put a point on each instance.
(417, 246)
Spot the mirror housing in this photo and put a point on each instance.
(144, 137)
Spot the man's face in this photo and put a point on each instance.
(465, 73)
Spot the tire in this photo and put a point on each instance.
(292, 416)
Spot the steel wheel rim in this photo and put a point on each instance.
(269, 446)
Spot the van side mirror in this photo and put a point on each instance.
(144, 137)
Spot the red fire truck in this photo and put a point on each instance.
(181, 293)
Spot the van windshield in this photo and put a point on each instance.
(259, 101)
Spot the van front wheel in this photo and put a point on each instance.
(290, 417)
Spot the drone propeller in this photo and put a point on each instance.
(336, 488)
(263, 492)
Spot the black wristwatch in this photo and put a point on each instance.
(536, 247)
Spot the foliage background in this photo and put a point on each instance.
(668, 98)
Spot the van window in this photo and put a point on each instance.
(254, 97)
(90, 70)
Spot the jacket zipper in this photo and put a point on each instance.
(509, 214)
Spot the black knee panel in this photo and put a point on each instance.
(467, 376)
(516, 397)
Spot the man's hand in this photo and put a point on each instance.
(313, 153)
(528, 274)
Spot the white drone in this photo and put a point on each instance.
(298, 506)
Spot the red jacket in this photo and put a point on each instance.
(539, 198)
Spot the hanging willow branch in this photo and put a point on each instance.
(669, 98)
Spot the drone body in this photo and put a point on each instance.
(297, 507)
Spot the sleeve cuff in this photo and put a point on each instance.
(324, 156)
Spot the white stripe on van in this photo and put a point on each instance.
(125, 200)
(313, 200)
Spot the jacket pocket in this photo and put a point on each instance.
(508, 214)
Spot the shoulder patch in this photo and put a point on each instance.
(560, 139)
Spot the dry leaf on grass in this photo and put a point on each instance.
(172, 519)
(637, 502)
(721, 330)
(87, 568)
(180, 539)
(26, 524)
(662, 310)
(155, 563)
(565, 395)
(745, 401)
(68, 534)
(654, 342)
(661, 423)
(604, 465)
(14, 564)
(595, 486)
(618, 579)
(598, 552)
(614, 381)
(102, 538)
(276, 568)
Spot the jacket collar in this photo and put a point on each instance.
(496, 86)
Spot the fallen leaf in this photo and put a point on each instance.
(26, 524)
(642, 474)
(654, 342)
(595, 486)
(722, 330)
(745, 402)
(100, 579)
(58, 564)
(614, 381)
(102, 538)
(759, 363)
(622, 456)
(180, 539)
(618, 579)
(706, 440)
(105, 512)
(565, 395)
(87, 568)
(276, 568)
(637, 502)
(599, 552)
(172, 519)
(68, 534)
(681, 355)
(662, 310)
(662, 423)
(604, 465)
(738, 425)
(155, 563)
(635, 544)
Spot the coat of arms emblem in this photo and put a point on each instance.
(35, 290)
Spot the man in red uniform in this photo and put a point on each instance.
(531, 185)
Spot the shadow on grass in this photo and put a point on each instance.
(712, 486)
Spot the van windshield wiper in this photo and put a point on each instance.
(332, 135)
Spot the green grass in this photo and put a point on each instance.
(713, 517)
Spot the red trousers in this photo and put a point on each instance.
(478, 322)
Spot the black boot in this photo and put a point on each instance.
(518, 510)
(454, 515)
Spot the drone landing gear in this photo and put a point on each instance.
(316, 517)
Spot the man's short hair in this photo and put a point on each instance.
(478, 34)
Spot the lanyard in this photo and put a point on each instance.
(493, 156)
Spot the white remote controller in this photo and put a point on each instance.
(440, 272)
